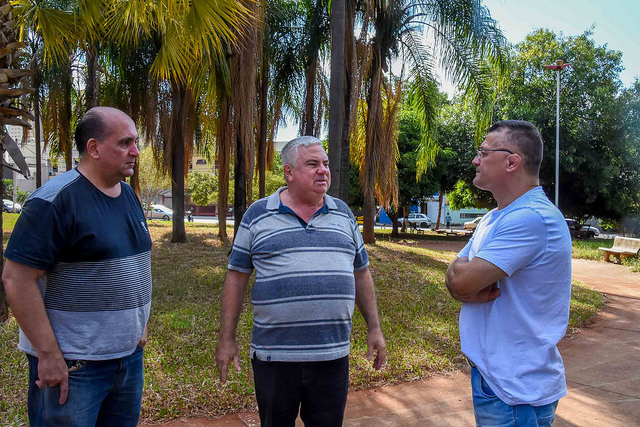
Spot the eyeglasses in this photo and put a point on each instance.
(482, 152)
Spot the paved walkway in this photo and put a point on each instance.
(602, 364)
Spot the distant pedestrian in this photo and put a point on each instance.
(514, 279)
(448, 220)
(78, 279)
(311, 266)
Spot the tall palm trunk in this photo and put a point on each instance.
(440, 198)
(348, 93)
(308, 122)
(223, 159)
(4, 307)
(92, 85)
(336, 94)
(178, 94)
(38, 125)
(263, 127)
(66, 139)
(374, 124)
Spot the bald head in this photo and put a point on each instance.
(95, 124)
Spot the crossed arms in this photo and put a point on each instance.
(473, 281)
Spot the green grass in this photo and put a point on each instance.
(9, 220)
(418, 316)
(588, 248)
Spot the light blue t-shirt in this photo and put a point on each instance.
(513, 339)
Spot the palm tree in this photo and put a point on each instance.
(316, 35)
(188, 35)
(10, 113)
(336, 90)
(467, 43)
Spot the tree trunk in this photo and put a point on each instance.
(4, 308)
(262, 131)
(240, 187)
(223, 156)
(374, 124)
(38, 126)
(66, 122)
(308, 122)
(349, 79)
(393, 216)
(178, 94)
(92, 86)
(440, 198)
(336, 94)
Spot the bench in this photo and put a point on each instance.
(447, 231)
(623, 247)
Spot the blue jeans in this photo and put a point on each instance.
(318, 390)
(491, 411)
(101, 393)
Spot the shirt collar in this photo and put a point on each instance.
(273, 203)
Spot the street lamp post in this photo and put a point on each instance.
(559, 65)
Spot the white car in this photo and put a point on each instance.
(160, 212)
(9, 206)
(471, 225)
(417, 219)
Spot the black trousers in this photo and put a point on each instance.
(318, 390)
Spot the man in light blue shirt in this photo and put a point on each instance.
(514, 279)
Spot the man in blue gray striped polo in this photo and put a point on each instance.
(311, 267)
(78, 279)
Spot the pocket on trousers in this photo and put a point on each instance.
(485, 388)
(76, 366)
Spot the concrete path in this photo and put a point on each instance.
(602, 364)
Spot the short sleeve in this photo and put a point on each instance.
(40, 235)
(240, 258)
(519, 238)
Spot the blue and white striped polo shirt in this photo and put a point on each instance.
(96, 254)
(304, 292)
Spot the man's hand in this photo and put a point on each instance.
(473, 281)
(226, 351)
(376, 344)
(143, 339)
(53, 371)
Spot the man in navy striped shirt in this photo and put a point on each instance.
(78, 279)
(311, 267)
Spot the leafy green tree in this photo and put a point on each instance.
(469, 46)
(410, 189)
(594, 154)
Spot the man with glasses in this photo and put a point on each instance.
(78, 279)
(514, 279)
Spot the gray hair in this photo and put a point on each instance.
(289, 153)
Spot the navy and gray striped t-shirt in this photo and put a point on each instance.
(96, 253)
(304, 292)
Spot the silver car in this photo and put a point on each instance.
(160, 212)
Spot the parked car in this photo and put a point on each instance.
(584, 232)
(160, 212)
(471, 225)
(417, 219)
(8, 206)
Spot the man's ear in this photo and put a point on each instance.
(513, 162)
(92, 148)
(287, 172)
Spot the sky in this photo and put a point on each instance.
(617, 24)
